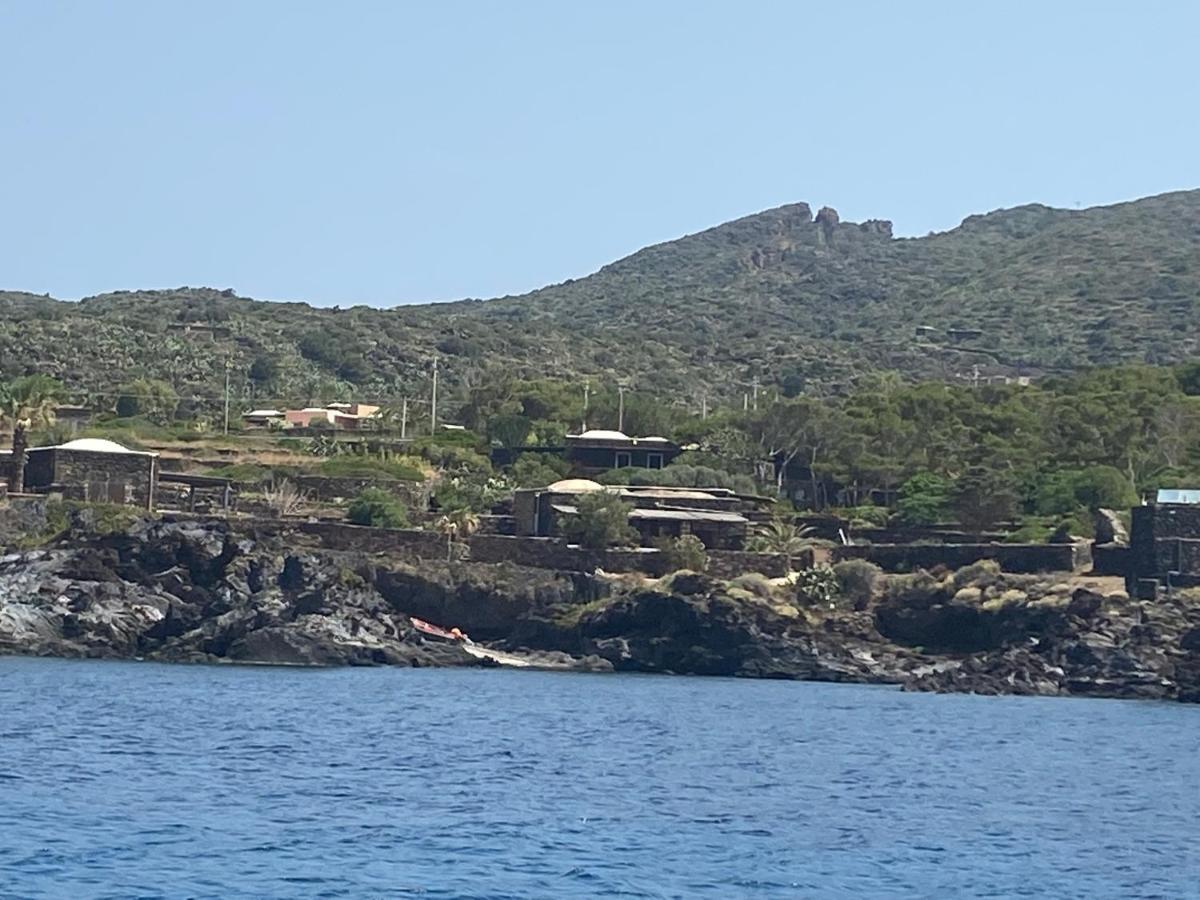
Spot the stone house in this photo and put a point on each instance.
(599, 451)
(1164, 542)
(658, 512)
(94, 470)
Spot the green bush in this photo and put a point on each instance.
(370, 467)
(876, 516)
(602, 521)
(858, 581)
(682, 475)
(755, 583)
(538, 470)
(377, 508)
(685, 552)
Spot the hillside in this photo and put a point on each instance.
(782, 295)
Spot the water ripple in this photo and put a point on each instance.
(139, 780)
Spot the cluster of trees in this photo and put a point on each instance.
(978, 455)
(984, 455)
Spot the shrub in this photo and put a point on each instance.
(370, 467)
(983, 573)
(818, 585)
(476, 492)
(679, 474)
(868, 515)
(685, 552)
(538, 469)
(377, 508)
(857, 581)
(284, 498)
(149, 397)
(755, 583)
(917, 590)
(602, 521)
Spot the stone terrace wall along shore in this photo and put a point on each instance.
(1019, 558)
(541, 553)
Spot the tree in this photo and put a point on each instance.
(924, 499)
(509, 429)
(602, 520)
(26, 402)
(538, 469)
(148, 397)
(263, 371)
(1066, 491)
(782, 536)
(454, 525)
(983, 499)
(803, 428)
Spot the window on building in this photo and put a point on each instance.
(654, 460)
(624, 459)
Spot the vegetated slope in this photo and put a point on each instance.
(780, 294)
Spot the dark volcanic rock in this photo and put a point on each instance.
(191, 591)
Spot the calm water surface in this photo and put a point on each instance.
(140, 780)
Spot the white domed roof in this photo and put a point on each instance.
(653, 439)
(602, 435)
(575, 486)
(96, 445)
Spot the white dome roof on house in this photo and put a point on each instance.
(575, 486)
(654, 439)
(98, 445)
(602, 435)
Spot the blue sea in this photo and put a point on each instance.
(144, 780)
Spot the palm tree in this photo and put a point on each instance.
(455, 524)
(782, 536)
(26, 402)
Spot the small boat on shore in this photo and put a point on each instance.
(452, 634)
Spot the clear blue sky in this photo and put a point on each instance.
(388, 152)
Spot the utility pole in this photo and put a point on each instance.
(755, 384)
(703, 407)
(404, 419)
(433, 411)
(226, 397)
(745, 402)
(620, 408)
(587, 391)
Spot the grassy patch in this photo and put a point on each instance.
(367, 467)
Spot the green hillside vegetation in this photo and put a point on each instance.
(803, 304)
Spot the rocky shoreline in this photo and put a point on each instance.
(200, 592)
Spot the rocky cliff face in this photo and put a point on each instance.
(191, 591)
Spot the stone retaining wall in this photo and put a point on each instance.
(1012, 557)
(534, 552)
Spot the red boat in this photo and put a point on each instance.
(436, 631)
